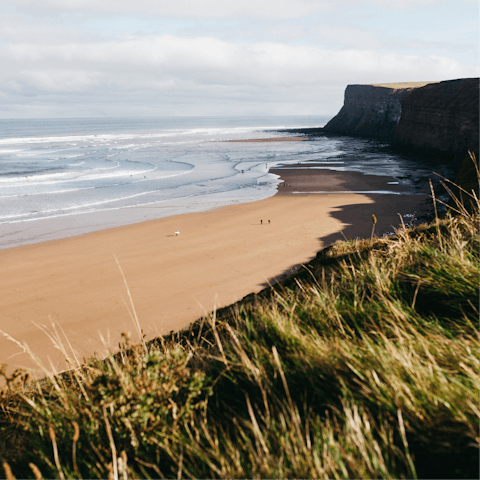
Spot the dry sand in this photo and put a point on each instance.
(219, 257)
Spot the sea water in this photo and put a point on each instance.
(61, 168)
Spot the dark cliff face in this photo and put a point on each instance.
(437, 118)
(441, 117)
(368, 110)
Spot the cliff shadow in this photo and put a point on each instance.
(357, 221)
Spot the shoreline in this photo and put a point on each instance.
(220, 256)
(13, 235)
(61, 221)
(267, 140)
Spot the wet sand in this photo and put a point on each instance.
(268, 140)
(219, 257)
(315, 177)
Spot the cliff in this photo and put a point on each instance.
(442, 117)
(371, 110)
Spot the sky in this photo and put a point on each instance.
(155, 58)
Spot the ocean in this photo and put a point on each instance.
(66, 168)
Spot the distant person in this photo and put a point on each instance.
(269, 222)
(261, 222)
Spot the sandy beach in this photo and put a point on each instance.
(218, 257)
(268, 140)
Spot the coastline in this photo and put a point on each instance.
(35, 230)
(220, 256)
(267, 140)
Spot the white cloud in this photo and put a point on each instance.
(111, 57)
(188, 8)
(203, 74)
(404, 4)
(213, 9)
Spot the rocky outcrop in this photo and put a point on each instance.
(369, 110)
(441, 117)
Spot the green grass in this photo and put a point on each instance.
(364, 364)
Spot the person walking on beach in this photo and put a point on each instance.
(261, 222)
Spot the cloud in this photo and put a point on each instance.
(212, 9)
(212, 61)
(187, 8)
(202, 75)
(114, 57)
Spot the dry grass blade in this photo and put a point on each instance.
(9, 337)
(8, 471)
(256, 428)
(405, 443)
(36, 471)
(57, 342)
(112, 444)
(135, 317)
(437, 220)
(53, 438)
(287, 391)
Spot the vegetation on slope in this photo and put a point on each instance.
(364, 364)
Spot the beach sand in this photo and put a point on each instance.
(268, 140)
(219, 257)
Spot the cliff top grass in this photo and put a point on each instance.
(364, 364)
(401, 85)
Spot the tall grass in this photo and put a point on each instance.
(363, 364)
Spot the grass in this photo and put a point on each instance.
(364, 364)
(400, 85)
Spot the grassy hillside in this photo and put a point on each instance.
(363, 364)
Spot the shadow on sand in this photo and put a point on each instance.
(357, 221)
